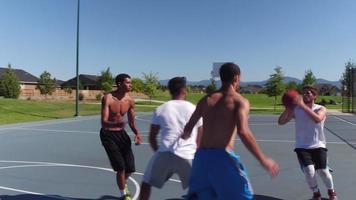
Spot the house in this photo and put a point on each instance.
(86, 82)
(59, 83)
(27, 80)
(328, 90)
(251, 89)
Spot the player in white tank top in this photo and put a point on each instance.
(310, 143)
(309, 135)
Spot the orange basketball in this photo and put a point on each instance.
(288, 98)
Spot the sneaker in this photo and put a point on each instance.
(125, 197)
(127, 191)
(332, 194)
(317, 195)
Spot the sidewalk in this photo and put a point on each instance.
(337, 112)
(156, 101)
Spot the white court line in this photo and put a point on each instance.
(131, 134)
(54, 130)
(264, 124)
(68, 131)
(353, 124)
(145, 120)
(56, 121)
(49, 122)
(24, 166)
(50, 164)
(292, 141)
(29, 192)
(171, 179)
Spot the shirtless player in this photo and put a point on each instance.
(113, 136)
(217, 172)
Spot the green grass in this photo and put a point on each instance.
(14, 111)
(260, 103)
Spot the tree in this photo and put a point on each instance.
(137, 85)
(309, 78)
(275, 85)
(9, 84)
(346, 78)
(106, 80)
(347, 86)
(151, 84)
(211, 87)
(292, 85)
(46, 84)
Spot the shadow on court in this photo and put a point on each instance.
(256, 197)
(262, 197)
(50, 197)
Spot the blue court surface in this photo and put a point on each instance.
(64, 159)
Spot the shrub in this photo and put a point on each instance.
(81, 96)
(98, 96)
(9, 84)
(68, 90)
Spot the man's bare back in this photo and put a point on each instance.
(220, 119)
(225, 112)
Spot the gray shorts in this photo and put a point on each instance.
(163, 165)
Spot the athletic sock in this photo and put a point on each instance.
(326, 177)
(310, 177)
(122, 193)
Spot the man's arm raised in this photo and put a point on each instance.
(318, 116)
(286, 116)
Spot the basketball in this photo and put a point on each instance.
(288, 98)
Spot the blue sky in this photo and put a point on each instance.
(179, 37)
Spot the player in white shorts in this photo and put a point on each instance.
(174, 155)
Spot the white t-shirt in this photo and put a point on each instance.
(172, 117)
(309, 135)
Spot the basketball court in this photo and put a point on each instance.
(64, 159)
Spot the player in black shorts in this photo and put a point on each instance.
(114, 138)
(310, 143)
(117, 145)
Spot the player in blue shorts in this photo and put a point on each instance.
(217, 172)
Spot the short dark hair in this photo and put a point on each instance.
(176, 84)
(313, 89)
(120, 78)
(228, 71)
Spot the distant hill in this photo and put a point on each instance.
(335, 83)
(261, 83)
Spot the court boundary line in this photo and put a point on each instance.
(344, 120)
(34, 193)
(146, 135)
(52, 164)
(350, 144)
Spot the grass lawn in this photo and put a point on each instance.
(14, 111)
(260, 103)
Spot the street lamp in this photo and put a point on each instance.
(77, 66)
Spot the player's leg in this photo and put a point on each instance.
(320, 159)
(232, 180)
(308, 168)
